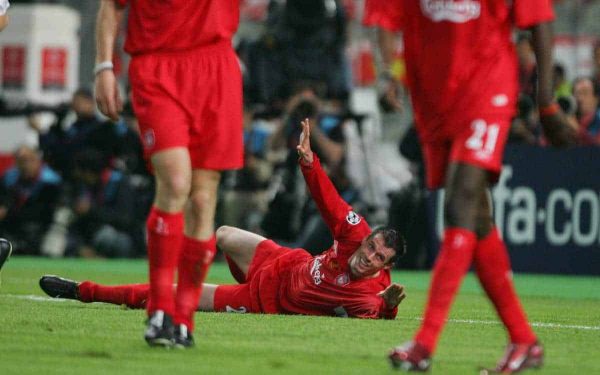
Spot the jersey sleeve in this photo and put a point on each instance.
(336, 213)
(528, 13)
(386, 14)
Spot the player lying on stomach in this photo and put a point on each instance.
(352, 278)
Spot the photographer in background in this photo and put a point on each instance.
(29, 193)
(587, 95)
(292, 216)
(304, 41)
(62, 142)
(104, 223)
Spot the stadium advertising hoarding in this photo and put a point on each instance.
(547, 207)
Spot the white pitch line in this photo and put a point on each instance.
(36, 298)
(32, 297)
(534, 324)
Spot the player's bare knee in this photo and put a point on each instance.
(200, 201)
(172, 193)
(483, 226)
(222, 234)
(485, 221)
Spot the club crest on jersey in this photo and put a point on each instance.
(353, 218)
(342, 279)
(457, 11)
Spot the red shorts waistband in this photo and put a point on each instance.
(221, 45)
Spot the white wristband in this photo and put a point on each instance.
(104, 65)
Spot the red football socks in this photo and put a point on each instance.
(132, 295)
(196, 258)
(493, 269)
(453, 261)
(165, 235)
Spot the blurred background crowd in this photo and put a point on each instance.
(75, 184)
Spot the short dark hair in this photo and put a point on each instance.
(560, 70)
(391, 239)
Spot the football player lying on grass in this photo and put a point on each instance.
(352, 278)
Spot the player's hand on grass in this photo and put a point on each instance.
(304, 151)
(557, 130)
(393, 295)
(107, 94)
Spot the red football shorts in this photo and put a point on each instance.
(244, 298)
(481, 144)
(191, 99)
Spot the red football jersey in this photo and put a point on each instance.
(323, 285)
(176, 25)
(460, 57)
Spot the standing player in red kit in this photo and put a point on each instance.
(462, 76)
(351, 278)
(187, 96)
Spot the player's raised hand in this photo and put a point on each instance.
(107, 94)
(304, 150)
(393, 295)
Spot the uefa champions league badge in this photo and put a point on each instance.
(342, 279)
(353, 218)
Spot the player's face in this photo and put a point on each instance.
(370, 257)
(583, 91)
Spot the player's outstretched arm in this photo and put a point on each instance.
(332, 207)
(556, 128)
(107, 92)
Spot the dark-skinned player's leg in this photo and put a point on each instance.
(492, 265)
(464, 185)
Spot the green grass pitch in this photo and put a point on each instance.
(39, 336)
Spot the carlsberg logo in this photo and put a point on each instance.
(450, 10)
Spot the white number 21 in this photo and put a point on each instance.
(482, 130)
